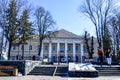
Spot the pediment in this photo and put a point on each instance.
(65, 34)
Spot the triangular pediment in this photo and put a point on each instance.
(65, 34)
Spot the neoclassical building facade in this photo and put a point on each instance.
(65, 45)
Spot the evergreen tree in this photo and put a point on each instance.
(90, 47)
(25, 29)
(12, 24)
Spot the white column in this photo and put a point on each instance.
(41, 56)
(74, 52)
(50, 50)
(66, 54)
(82, 52)
(58, 50)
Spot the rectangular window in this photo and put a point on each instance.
(30, 47)
(62, 48)
(22, 47)
(69, 48)
(53, 48)
(46, 47)
(77, 48)
(38, 47)
(85, 49)
(14, 47)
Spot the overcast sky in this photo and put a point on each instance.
(67, 15)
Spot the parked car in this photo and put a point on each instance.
(63, 60)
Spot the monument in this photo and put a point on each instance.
(82, 70)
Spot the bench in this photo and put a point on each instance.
(7, 70)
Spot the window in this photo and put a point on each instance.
(85, 49)
(46, 47)
(30, 47)
(14, 47)
(53, 48)
(38, 47)
(77, 48)
(69, 48)
(62, 48)
(22, 47)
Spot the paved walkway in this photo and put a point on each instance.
(58, 78)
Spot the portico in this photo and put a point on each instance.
(64, 48)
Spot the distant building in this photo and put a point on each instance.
(66, 46)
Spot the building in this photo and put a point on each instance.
(65, 45)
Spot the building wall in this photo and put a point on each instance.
(64, 50)
(64, 45)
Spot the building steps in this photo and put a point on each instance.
(43, 70)
(52, 70)
(108, 71)
(61, 71)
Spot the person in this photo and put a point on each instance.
(17, 57)
(100, 56)
(33, 58)
(108, 57)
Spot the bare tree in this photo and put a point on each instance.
(115, 31)
(98, 12)
(45, 25)
(3, 15)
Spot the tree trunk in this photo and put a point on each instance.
(22, 51)
(1, 44)
(98, 37)
(9, 49)
(87, 45)
(40, 47)
(92, 48)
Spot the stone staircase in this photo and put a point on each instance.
(61, 71)
(108, 71)
(50, 70)
(43, 70)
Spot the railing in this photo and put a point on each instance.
(55, 71)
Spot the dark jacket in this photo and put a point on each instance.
(107, 54)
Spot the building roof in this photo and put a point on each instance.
(62, 33)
